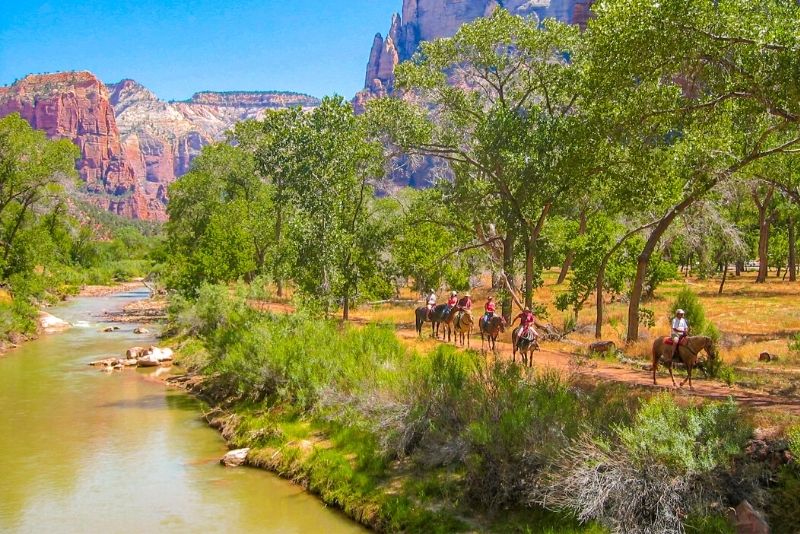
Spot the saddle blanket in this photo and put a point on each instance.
(668, 341)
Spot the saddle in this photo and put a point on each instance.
(682, 342)
(527, 336)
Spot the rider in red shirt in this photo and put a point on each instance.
(451, 302)
(489, 310)
(526, 319)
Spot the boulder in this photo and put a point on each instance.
(141, 330)
(134, 352)
(130, 362)
(147, 361)
(108, 329)
(748, 520)
(235, 458)
(602, 346)
(159, 354)
(767, 357)
(108, 362)
(51, 324)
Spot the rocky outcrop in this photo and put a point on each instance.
(76, 106)
(50, 324)
(133, 145)
(426, 20)
(161, 139)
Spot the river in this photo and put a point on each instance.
(86, 451)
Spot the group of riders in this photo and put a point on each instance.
(464, 304)
(680, 326)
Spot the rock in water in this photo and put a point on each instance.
(134, 352)
(51, 324)
(235, 458)
(141, 330)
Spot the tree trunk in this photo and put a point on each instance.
(346, 308)
(724, 277)
(739, 267)
(278, 235)
(571, 254)
(508, 269)
(529, 257)
(601, 274)
(763, 233)
(792, 252)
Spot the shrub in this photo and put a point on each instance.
(653, 472)
(695, 314)
(794, 343)
(793, 438)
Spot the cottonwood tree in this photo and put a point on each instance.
(713, 85)
(500, 102)
(338, 231)
(33, 171)
(219, 228)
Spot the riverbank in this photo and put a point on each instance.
(451, 441)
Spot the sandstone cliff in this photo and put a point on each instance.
(75, 105)
(133, 145)
(161, 139)
(425, 20)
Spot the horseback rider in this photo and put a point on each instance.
(431, 302)
(451, 302)
(465, 303)
(680, 329)
(489, 310)
(526, 321)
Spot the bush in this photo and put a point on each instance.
(653, 473)
(695, 314)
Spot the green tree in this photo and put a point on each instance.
(499, 102)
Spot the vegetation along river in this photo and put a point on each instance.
(86, 451)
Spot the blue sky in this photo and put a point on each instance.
(178, 48)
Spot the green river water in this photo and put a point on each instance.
(86, 451)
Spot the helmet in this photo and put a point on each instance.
(453, 293)
(490, 298)
(467, 294)
(527, 309)
(680, 312)
(431, 291)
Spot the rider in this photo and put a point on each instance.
(526, 319)
(451, 302)
(465, 303)
(431, 300)
(680, 329)
(489, 310)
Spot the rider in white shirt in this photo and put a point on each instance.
(680, 329)
(431, 301)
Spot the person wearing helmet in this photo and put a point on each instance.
(680, 329)
(451, 302)
(431, 302)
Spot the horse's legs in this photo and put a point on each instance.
(469, 334)
(669, 366)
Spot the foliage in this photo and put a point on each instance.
(687, 301)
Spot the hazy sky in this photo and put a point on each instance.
(178, 48)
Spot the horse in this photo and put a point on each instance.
(525, 346)
(687, 352)
(437, 315)
(491, 330)
(462, 326)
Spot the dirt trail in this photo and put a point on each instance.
(601, 370)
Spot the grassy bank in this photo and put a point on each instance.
(448, 441)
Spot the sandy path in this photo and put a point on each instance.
(602, 370)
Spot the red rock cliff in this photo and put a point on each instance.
(75, 105)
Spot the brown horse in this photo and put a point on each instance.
(462, 326)
(436, 316)
(687, 353)
(491, 330)
(525, 347)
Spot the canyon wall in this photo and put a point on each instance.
(133, 145)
